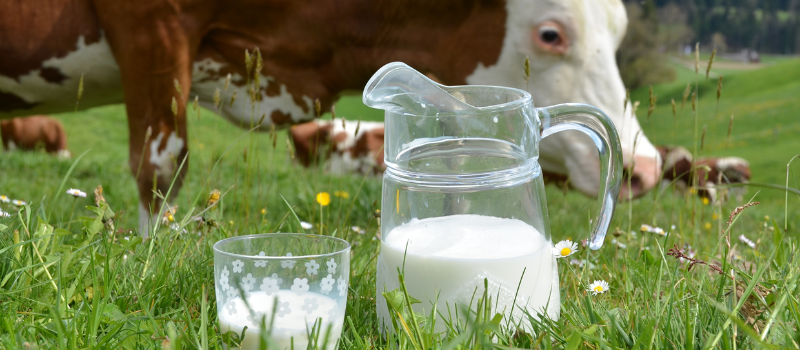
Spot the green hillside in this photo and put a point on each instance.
(764, 103)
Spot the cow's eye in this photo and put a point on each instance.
(549, 35)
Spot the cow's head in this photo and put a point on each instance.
(571, 46)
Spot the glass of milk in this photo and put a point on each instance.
(289, 289)
(463, 196)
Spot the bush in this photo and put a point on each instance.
(639, 58)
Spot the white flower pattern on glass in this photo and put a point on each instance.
(237, 266)
(310, 305)
(312, 267)
(283, 308)
(342, 286)
(331, 266)
(261, 263)
(327, 284)
(300, 285)
(233, 293)
(288, 264)
(271, 284)
(223, 278)
(248, 282)
(255, 317)
(333, 312)
(231, 308)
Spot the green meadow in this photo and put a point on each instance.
(75, 275)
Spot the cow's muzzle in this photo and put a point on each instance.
(639, 177)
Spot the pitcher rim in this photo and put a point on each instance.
(525, 99)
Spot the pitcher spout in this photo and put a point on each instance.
(399, 88)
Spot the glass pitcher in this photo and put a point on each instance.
(463, 197)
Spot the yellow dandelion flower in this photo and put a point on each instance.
(705, 201)
(714, 216)
(692, 190)
(263, 211)
(323, 198)
(707, 226)
(170, 218)
(213, 197)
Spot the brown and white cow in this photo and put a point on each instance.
(149, 53)
(708, 173)
(29, 133)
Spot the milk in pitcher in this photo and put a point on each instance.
(452, 255)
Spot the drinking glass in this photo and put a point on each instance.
(292, 286)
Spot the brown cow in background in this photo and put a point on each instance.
(709, 173)
(32, 132)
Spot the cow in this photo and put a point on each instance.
(159, 56)
(707, 174)
(355, 147)
(33, 132)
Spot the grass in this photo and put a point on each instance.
(75, 280)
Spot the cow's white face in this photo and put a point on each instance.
(571, 46)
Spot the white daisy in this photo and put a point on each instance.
(305, 225)
(747, 241)
(4, 214)
(646, 228)
(598, 287)
(76, 193)
(4, 199)
(18, 202)
(565, 249)
(358, 230)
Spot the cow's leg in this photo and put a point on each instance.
(154, 56)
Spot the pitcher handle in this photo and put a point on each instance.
(595, 124)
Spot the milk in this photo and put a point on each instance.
(452, 255)
(292, 321)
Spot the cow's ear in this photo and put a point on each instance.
(551, 37)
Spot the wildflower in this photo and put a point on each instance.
(747, 241)
(707, 226)
(692, 190)
(323, 198)
(714, 216)
(705, 201)
(672, 227)
(76, 193)
(653, 229)
(598, 287)
(4, 214)
(4, 199)
(18, 202)
(177, 227)
(565, 248)
(213, 198)
(358, 230)
(305, 225)
(766, 217)
(619, 244)
(263, 211)
(341, 194)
